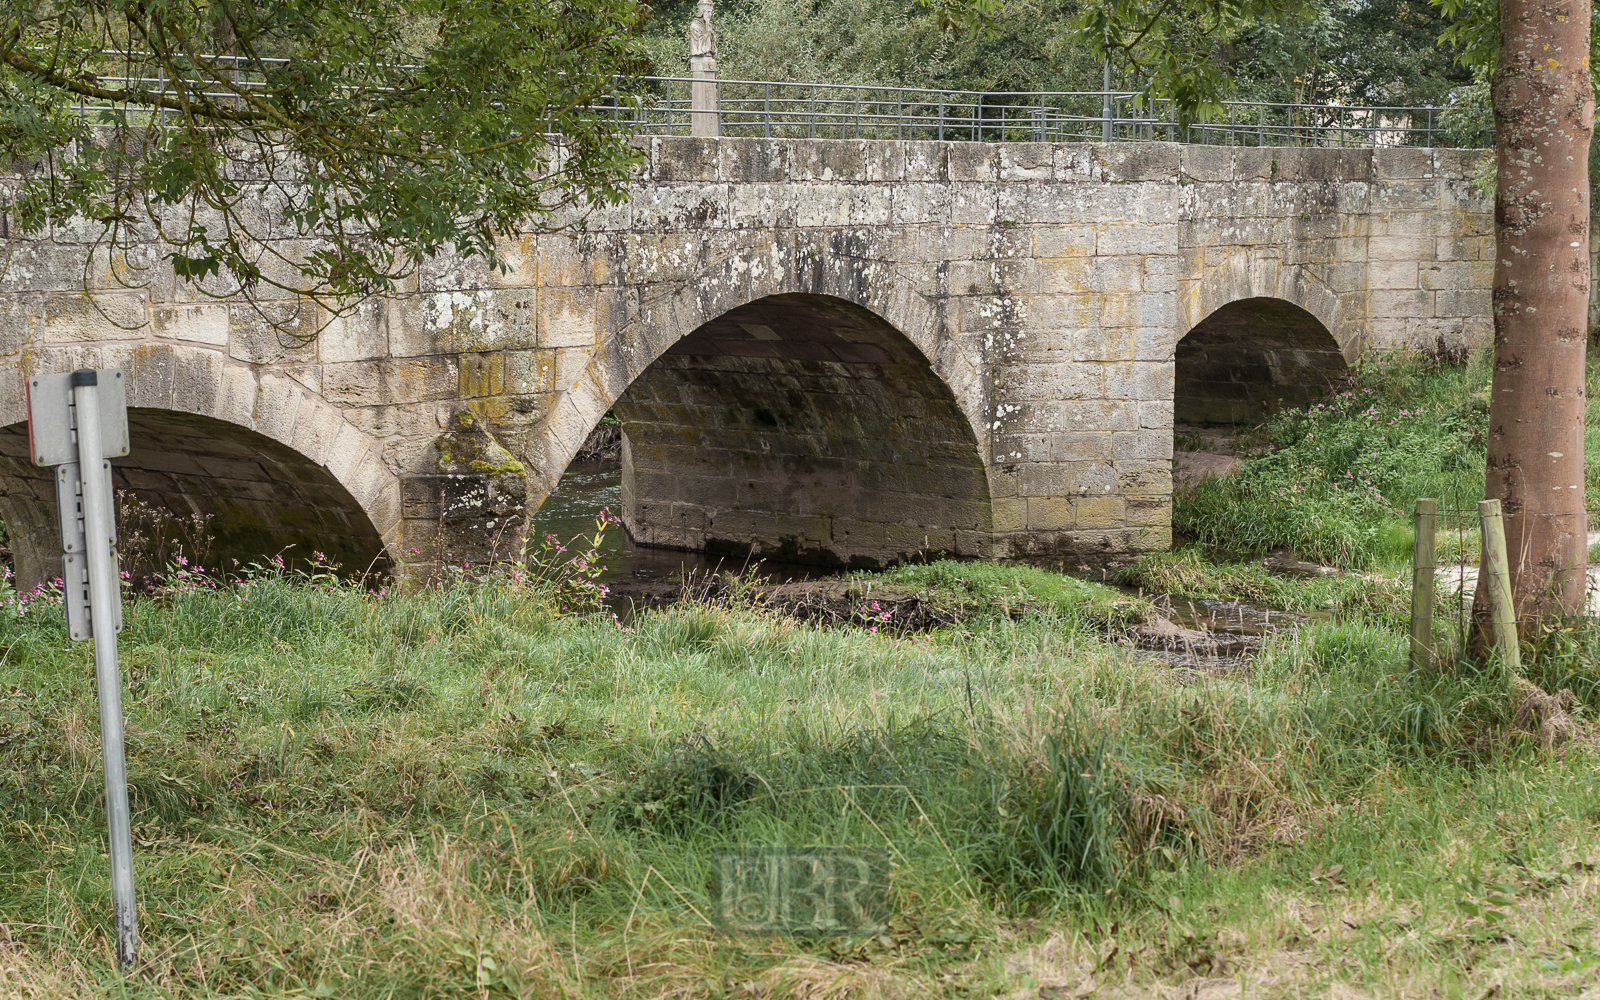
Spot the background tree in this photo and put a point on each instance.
(318, 147)
(1372, 52)
(1351, 51)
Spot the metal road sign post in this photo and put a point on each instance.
(76, 422)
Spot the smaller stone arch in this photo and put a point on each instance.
(267, 460)
(1251, 357)
(1251, 274)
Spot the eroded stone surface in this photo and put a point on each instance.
(1029, 301)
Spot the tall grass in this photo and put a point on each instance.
(1334, 481)
(467, 792)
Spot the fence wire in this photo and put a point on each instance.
(1461, 561)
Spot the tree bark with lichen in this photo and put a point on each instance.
(1544, 119)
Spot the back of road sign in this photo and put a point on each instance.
(75, 549)
(52, 441)
(76, 421)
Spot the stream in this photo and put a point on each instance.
(1215, 634)
(1200, 633)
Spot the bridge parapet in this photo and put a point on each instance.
(1026, 300)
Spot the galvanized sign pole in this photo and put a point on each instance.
(76, 422)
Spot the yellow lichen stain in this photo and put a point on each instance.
(412, 377)
(499, 412)
(480, 375)
(522, 252)
(1552, 64)
(145, 353)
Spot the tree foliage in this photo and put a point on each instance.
(1316, 51)
(1380, 53)
(1172, 46)
(318, 147)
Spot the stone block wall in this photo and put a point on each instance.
(1041, 289)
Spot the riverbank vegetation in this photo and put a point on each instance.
(471, 791)
(1338, 482)
(466, 792)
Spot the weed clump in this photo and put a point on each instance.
(692, 785)
(1059, 822)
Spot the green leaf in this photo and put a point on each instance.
(194, 268)
(390, 132)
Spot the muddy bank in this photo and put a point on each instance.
(1198, 452)
(1183, 632)
(833, 603)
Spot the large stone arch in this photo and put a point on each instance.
(269, 461)
(840, 321)
(803, 428)
(828, 282)
(838, 266)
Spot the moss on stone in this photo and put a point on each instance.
(509, 466)
(468, 446)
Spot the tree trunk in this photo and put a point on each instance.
(1544, 117)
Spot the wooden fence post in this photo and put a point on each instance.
(1422, 556)
(1502, 613)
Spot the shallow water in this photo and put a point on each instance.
(1232, 631)
(1235, 630)
(1235, 617)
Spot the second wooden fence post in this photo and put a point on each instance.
(1502, 612)
(1422, 556)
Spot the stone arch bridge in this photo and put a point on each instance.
(842, 351)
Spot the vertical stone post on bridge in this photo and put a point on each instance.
(703, 116)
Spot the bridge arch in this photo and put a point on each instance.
(267, 460)
(803, 428)
(841, 267)
(1252, 274)
(808, 407)
(1255, 333)
(1250, 357)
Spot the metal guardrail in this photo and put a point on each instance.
(657, 105)
(663, 106)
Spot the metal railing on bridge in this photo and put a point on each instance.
(659, 105)
(663, 106)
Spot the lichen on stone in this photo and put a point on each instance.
(469, 447)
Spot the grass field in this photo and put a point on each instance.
(466, 793)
